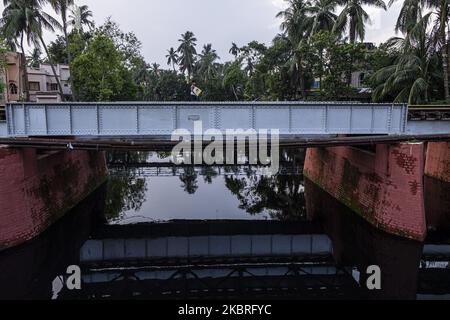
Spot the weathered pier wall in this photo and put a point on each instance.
(384, 187)
(38, 189)
(437, 186)
(438, 161)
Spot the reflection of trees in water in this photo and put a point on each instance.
(282, 196)
(189, 180)
(126, 191)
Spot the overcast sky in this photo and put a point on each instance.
(159, 23)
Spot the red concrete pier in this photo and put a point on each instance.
(384, 187)
(39, 188)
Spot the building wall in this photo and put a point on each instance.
(12, 75)
(44, 76)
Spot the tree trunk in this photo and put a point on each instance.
(53, 67)
(352, 41)
(69, 55)
(26, 88)
(445, 60)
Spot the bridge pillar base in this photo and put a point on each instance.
(385, 187)
(37, 190)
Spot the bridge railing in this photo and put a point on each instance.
(162, 118)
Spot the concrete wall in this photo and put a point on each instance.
(385, 188)
(37, 190)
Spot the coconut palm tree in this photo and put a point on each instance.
(81, 16)
(26, 18)
(34, 60)
(354, 18)
(411, 13)
(322, 13)
(172, 58)
(234, 50)
(440, 36)
(296, 26)
(187, 52)
(61, 7)
(207, 66)
(409, 79)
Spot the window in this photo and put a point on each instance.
(52, 87)
(34, 86)
(13, 88)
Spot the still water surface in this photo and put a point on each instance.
(161, 232)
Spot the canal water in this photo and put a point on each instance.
(157, 231)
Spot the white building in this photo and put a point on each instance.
(43, 86)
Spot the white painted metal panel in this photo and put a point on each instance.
(157, 120)
(273, 118)
(239, 118)
(59, 122)
(361, 119)
(85, 120)
(339, 119)
(37, 120)
(120, 120)
(129, 119)
(311, 119)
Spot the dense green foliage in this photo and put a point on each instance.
(318, 54)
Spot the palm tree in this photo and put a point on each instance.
(172, 57)
(440, 36)
(187, 52)
(234, 50)
(207, 66)
(34, 59)
(81, 16)
(26, 18)
(322, 13)
(296, 27)
(409, 78)
(411, 13)
(155, 68)
(354, 18)
(61, 7)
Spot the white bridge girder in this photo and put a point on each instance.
(162, 118)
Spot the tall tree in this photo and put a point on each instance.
(187, 52)
(207, 67)
(409, 79)
(61, 8)
(172, 58)
(322, 13)
(81, 16)
(297, 28)
(354, 18)
(234, 50)
(441, 36)
(410, 15)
